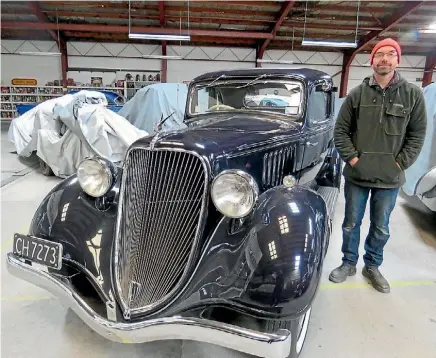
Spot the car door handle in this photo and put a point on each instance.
(310, 144)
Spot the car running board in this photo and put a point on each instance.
(330, 195)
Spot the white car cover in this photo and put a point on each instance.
(66, 130)
(155, 102)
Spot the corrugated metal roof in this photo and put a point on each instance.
(323, 19)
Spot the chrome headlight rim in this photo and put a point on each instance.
(251, 182)
(108, 169)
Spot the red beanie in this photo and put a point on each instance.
(387, 42)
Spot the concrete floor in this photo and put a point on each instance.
(348, 320)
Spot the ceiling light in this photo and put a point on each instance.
(428, 31)
(163, 57)
(162, 37)
(328, 43)
(38, 53)
(274, 61)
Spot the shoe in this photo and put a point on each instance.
(376, 279)
(341, 273)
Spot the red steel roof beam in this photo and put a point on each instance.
(164, 64)
(286, 8)
(125, 29)
(34, 6)
(388, 23)
(59, 39)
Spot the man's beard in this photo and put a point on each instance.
(383, 71)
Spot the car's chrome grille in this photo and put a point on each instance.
(276, 164)
(162, 203)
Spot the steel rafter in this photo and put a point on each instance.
(59, 39)
(164, 63)
(125, 29)
(34, 6)
(387, 24)
(286, 8)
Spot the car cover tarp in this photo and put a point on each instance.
(66, 130)
(427, 157)
(151, 103)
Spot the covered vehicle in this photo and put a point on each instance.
(63, 131)
(114, 101)
(216, 232)
(154, 103)
(421, 175)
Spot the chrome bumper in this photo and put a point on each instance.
(176, 327)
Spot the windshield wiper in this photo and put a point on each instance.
(216, 79)
(256, 79)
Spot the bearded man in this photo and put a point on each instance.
(379, 133)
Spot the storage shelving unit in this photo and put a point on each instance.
(12, 95)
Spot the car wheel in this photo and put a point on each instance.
(45, 168)
(298, 328)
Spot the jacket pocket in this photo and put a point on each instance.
(396, 120)
(373, 167)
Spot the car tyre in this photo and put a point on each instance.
(298, 328)
(45, 168)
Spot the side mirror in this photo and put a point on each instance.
(325, 88)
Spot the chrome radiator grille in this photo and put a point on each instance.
(275, 164)
(162, 202)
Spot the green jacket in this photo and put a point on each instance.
(382, 127)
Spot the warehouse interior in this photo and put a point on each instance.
(138, 59)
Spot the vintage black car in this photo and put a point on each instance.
(216, 232)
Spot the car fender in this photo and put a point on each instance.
(267, 265)
(291, 232)
(84, 225)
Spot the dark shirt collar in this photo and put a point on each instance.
(394, 79)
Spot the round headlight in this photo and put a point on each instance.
(234, 193)
(95, 176)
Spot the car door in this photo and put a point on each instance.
(319, 125)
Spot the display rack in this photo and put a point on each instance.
(12, 95)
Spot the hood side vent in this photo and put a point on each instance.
(277, 164)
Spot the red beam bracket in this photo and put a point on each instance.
(164, 64)
(286, 8)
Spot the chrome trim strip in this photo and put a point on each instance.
(205, 202)
(202, 330)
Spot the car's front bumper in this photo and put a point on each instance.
(176, 327)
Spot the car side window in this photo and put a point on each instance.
(318, 110)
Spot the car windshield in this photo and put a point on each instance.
(260, 95)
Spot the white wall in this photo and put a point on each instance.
(44, 69)
(128, 58)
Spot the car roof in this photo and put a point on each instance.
(306, 73)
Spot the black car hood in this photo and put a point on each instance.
(227, 133)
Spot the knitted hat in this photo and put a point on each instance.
(387, 42)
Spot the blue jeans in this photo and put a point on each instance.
(382, 203)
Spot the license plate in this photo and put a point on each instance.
(38, 250)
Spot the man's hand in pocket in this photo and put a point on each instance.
(353, 161)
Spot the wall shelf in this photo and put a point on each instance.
(12, 95)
